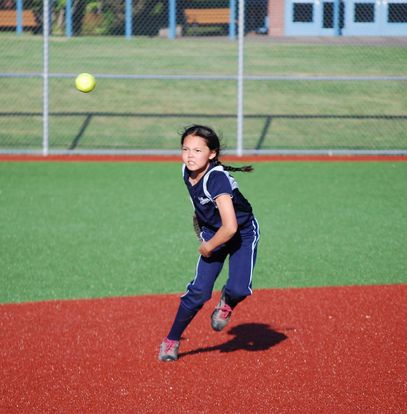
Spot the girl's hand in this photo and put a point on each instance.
(226, 230)
(204, 249)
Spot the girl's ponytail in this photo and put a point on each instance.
(244, 168)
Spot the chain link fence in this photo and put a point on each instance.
(299, 76)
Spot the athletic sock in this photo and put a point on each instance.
(182, 319)
(233, 302)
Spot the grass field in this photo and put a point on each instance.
(79, 230)
(199, 56)
(145, 113)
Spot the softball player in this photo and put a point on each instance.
(227, 228)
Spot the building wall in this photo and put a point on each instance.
(356, 18)
(276, 17)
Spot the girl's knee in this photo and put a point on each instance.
(195, 298)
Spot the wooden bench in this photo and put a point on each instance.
(8, 19)
(207, 16)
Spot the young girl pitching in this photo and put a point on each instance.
(227, 228)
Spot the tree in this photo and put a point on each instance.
(148, 16)
(78, 12)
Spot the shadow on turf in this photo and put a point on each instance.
(248, 337)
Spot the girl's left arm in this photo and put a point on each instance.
(226, 230)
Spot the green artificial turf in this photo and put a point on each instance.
(79, 230)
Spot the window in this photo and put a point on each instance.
(397, 13)
(303, 12)
(328, 15)
(364, 13)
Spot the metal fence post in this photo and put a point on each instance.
(68, 18)
(239, 144)
(45, 133)
(19, 7)
(129, 19)
(232, 19)
(172, 19)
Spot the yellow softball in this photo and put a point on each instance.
(85, 82)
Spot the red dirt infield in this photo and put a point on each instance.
(314, 350)
(176, 158)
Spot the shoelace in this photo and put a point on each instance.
(225, 311)
(169, 345)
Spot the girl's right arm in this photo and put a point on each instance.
(226, 231)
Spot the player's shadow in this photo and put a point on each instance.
(248, 337)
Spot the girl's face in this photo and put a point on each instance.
(196, 154)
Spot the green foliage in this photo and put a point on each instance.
(35, 5)
(94, 6)
(148, 16)
(59, 5)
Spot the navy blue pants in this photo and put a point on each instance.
(242, 251)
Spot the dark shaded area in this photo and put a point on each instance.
(264, 132)
(78, 137)
(247, 337)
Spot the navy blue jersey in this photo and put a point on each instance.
(214, 183)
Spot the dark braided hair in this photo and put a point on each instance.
(213, 142)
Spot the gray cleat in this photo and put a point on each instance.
(221, 315)
(168, 350)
